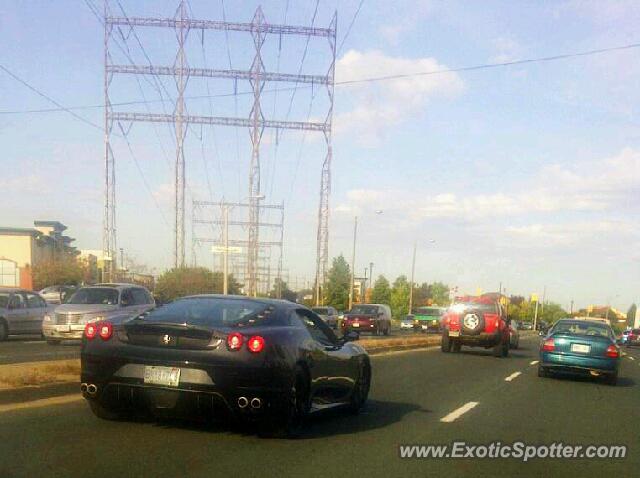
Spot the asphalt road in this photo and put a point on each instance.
(411, 393)
(25, 348)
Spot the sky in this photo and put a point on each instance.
(526, 176)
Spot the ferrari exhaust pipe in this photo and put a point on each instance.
(83, 387)
(256, 403)
(243, 402)
(92, 389)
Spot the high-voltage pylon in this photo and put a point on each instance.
(257, 75)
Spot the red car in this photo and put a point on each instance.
(476, 322)
(374, 318)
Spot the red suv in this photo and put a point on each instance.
(476, 322)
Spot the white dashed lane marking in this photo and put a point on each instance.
(457, 413)
(533, 363)
(512, 376)
(631, 358)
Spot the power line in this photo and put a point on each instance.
(349, 82)
(353, 20)
(49, 99)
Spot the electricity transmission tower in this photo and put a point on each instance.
(257, 76)
(202, 215)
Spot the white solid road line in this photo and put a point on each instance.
(44, 402)
(512, 376)
(459, 412)
(533, 362)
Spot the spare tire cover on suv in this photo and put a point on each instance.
(472, 322)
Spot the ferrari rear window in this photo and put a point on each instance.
(212, 312)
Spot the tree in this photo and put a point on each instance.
(65, 270)
(631, 315)
(421, 295)
(381, 293)
(552, 313)
(400, 297)
(338, 280)
(281, 287)
(182, 281)
(439, 293)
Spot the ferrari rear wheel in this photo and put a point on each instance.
(361, 388)
(288, 424)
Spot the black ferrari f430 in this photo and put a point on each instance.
(268, 362)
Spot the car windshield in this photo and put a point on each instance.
(428, 311)
(4, 299)
(95, 295)
(586, 327)
(321, 310)
(212, 312)
(364, 309)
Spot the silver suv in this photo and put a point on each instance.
(93, 303)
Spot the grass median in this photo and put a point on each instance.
(38, 374)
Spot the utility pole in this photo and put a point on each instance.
(571, 307)
(413, 269)
(371, 273)
(535, 316)
(225, 283)
(544, 294)
(353, 262)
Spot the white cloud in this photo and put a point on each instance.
(590, 186)
(378, 105)
(26, 184)
(547, 235)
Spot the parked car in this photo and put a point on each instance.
(633, 337)
(57, 294)
(374, 318)
(328, 314)
(427, 319)
(21, 312)
(580, 347)
(91, 304)
(267, 362)
(476, 322)
(526, 326)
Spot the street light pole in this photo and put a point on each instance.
(353, 262)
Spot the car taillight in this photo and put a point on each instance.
(548, 345)
(105, 330)
(90, 330)
(255, 344)
(612, 351)
(234, 341)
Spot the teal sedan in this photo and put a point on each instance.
(580, 347)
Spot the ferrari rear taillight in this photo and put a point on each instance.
(234, 341)
(90, 331)
(105, 330)
(612, 351)
(255, 344)
(548, 345)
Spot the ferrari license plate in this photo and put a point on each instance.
(454, 333)
(580, 348)
(355, 324)
(167, 376)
